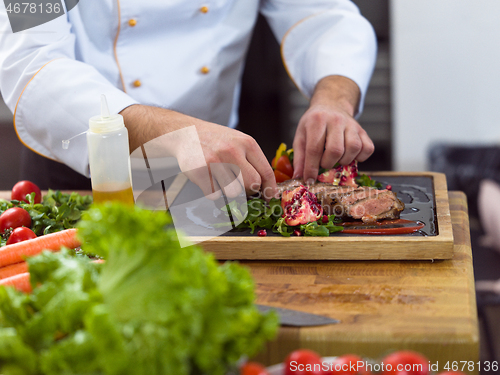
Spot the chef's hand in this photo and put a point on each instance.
(219, 144)
(327, 132)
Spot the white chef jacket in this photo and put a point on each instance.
(185, 55)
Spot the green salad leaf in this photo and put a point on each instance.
(269, 216)
(151, 308)
(34, 327)
(365, 180)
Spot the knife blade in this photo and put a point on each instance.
(289, 317)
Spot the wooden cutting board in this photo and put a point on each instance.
(360, 247)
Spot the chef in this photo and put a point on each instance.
(169, 65)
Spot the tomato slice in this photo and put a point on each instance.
(283, 165)
(280, 176)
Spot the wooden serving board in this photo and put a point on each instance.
(361, 247)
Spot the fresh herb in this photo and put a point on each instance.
(269, 216)
(57, 211)
(321, 229)
(314, 229)
(151, 308)
(364, 180)
(261, 214)
(281, 228)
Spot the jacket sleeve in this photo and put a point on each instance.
(321, 38)
(50, 93)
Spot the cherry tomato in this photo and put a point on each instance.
(303, 362)
(280, 176)
(22, 188)
(405, 362)
(283, 165)
(20, 234)
(348, 364)
(253, 368)
(13, 218)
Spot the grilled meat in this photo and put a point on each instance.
(365, 203)
(289, 185)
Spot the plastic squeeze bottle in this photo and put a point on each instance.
(109, 157)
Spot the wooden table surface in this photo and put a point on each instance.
(383, 306)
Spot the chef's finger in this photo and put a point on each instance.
(334, 147)
(352, 146)
(226, 176)
(250, 179)
(315, 146)
(368, 146)
(258, 160)
(299, 145)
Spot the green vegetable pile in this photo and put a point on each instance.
(151, 308)
(268, 216)
(57, 211)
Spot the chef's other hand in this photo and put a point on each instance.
(327, 132)
(222, 148)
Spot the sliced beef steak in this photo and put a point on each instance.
(371, 205)
(365, 203)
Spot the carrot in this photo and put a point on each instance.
(19, 251)
(13, 269)
(20, 282)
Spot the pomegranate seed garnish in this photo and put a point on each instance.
(262, 233)
(297, 233)
(388, 187)
(325, 219)
(343, 178)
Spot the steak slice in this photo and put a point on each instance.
(366, 203)
(372, 205)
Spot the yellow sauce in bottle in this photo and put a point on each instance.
(124, 195)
